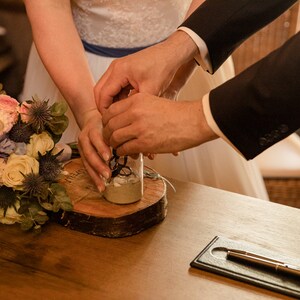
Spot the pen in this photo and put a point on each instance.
(259, 260)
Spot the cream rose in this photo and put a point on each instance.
(39, 143)
(2, 167)
(16, 167)
(11, 216)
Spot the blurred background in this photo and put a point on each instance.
(15, 41)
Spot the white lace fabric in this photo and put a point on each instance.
(127, 23)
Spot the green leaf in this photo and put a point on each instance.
(56, 206)
(23, 209)
(56, 138)
(58, 109)
(60, 198)
(58, 124)
(67, 206)
(40, 219)
(34, 209)
(58, 189)
(27, 224)
(47, 206)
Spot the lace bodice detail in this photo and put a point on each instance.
(127, 23)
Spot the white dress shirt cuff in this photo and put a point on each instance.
(203, 58)
(212, 123)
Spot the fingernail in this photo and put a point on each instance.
(100, 188)
(106, 175)
(105, 156)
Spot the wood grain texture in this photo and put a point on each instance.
(94, 215)
(154, 264)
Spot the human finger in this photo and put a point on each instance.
(92, 157)
(98, 180)
(114, 110)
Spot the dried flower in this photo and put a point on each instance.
(35, 186)
(29, 164)
(36, 113)
(20, 132)
(50, 166)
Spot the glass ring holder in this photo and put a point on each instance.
(126, 183)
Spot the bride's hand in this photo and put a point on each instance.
(93, 150)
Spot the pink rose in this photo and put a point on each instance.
(8, 113)
(24, 109)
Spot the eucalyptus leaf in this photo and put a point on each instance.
(27, 224)
(55, 137)
(67, 206)
(58, 124)
(56, 206)
(23, 209)
(47, 206)
(58, 189)
(34, 209)
(58, 109)
(41, 219)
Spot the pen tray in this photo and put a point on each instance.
(214, 260)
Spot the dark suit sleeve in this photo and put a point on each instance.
(261, 105)
(225, 24)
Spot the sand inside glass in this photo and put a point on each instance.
(124, 189)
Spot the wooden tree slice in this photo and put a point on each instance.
(94, 215)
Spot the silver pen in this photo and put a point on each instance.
(276, 265)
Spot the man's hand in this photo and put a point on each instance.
(148, 124)
(150, 70)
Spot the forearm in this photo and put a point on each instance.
(180, 49)
(260, 106)
(224, 32)
(61, 51)
(185, 71)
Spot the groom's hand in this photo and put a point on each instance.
(150, 70)
(144, 123)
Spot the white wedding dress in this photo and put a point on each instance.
(131, 24)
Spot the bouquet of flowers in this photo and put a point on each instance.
(30, 161)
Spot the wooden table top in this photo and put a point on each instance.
(65, 264)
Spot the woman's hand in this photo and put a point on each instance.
(93, 150)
